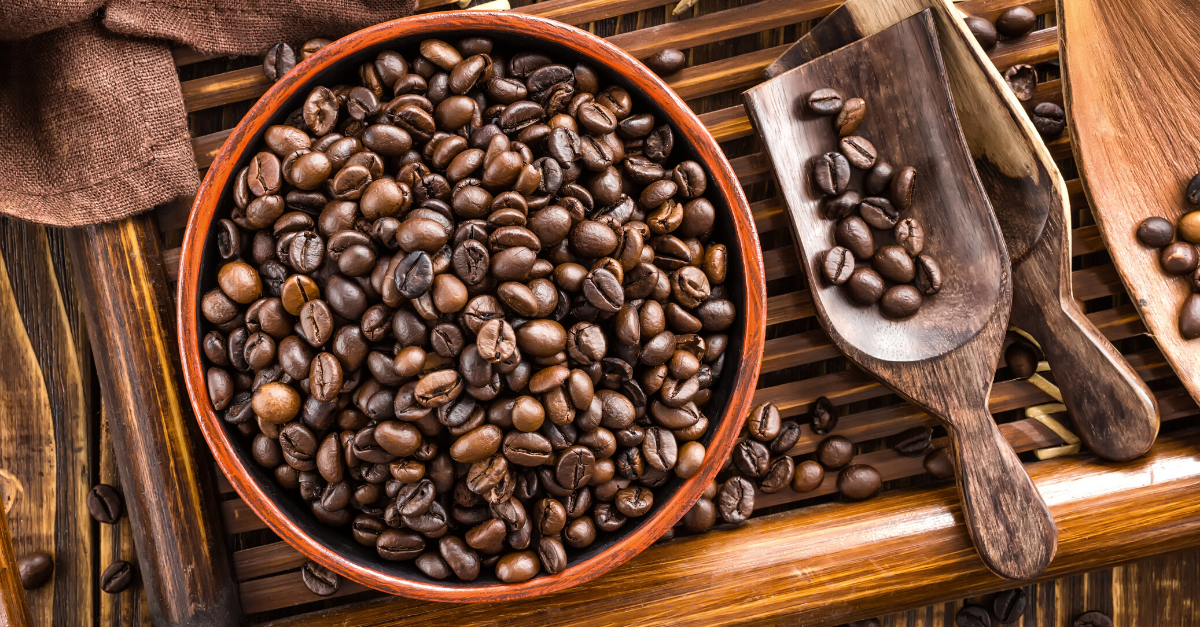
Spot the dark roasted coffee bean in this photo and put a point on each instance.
(865, 286)
(751, 458)
(878, 179)
(842, 205)
(915, 442)
(972, 616)
(878, 212)
(858, 151)
(825, 101)
(835, 452)
(1016, 21)
(1022, 80)
(808, 476)
(824, 417)
(666, 61)
(854, 234)
(279, 60)
(105, 504)
(779, 475)
(1008, 606)
(836, 265)
(910, 236)
(894, 264)
(319, 580)
(983, 30)
(1192, 194)
(35, 569)
(831, 173)
(852, 114)
(1049, 119)
(859, 481)
(939, 464)
(117, 577)
(1178, 258)
(1189, 317)
(735, 500)
(900, 301)
(764, 422)
(904, 185)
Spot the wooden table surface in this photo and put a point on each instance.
(803, 559)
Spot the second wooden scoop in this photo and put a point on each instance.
(943, 357)
(1113, 410)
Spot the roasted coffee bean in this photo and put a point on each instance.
(789, 435)
(1189, 317)
(105, 504)
(117, 577)
(319, 580)
(928, 279)
(851, 115)
(1008, 606)
(865, 286)
(1092, 619)
(983, 30)
(972, 616)
(837, 264)
(835, 452)
(831, 173)
(824, 417)
(1049, 119)
(764, 422)
(808, 476)
(1178, 258)
(1189, 227)
(858, 151)
(779, 475)
(878, 212)
(842, 205)
(859, 481)
(1192, 194)
(915, 442)
(939, 464)
(900, 301)
(910, 236)
(1022, 358)
(279, 60)
(752, 458)
(666, 61)
(894, 264)
(1022, 80)
(825, 101)
(854, 234)
(904, 185)
(1016, 21)
(35, 569)
(735, 500)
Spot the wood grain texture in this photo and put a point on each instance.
(832, 564)
(14, 610)
(116, 543)
(66, 478)
(943, 357)
(1112, 408)
(181, 553)
(312, 538)
(1134, 171)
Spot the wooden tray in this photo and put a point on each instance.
(807, 558)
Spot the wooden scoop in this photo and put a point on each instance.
(1114, 412)
(1131, 83)
(944, 356)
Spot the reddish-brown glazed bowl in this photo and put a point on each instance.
(334, 548)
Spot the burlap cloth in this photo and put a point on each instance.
(92, 124)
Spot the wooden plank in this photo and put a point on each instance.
(1154, 592)
(578, 12)
(1036, 47)
(116, 543)
(14, 610)
(130, 311)
(65, 479)
(213, 91)
(851, 569)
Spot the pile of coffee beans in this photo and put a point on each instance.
(1013, 23)
(899, 275)
(469, 309)
(1179, 258)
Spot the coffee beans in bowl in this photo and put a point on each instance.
(471, 311)
(1179, 257)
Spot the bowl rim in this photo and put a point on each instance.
(600, 53)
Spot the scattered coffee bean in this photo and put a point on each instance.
(939, 464)
(1022, 358)
(1008, 606)
(825, 101)
(1189, 317)
(279, 60)
(915, 442)
(1156, 232)
(900, 301)
(1092, 619)
(852, 114)
(455, 286)
(928, 275)
(117, 577)
(735, 500)
(1022, 80)
(879, 212)
(894, 264)
(808, 477)
(1189, 227)
(835, 452)
(865, 286)
(859, 152)
(972, 616)
(320, 580)
(837, 265)
(910, 236)
(104, 503)
(831, 173)
(35, 569)
(823, 417)
(667, 61)
(1016, 21)
(1178, 258)
(904, 186)
(984, 31)
(859, 481)
(1049, 119)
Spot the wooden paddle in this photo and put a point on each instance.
(944, 356)
(1113, 410)
(1131, 84)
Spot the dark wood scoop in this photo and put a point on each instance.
(1114, 412)
(942, 358)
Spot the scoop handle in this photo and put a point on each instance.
(1006, 517)
(1114, 412)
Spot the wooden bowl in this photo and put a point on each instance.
(283, 512)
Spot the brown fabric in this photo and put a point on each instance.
(92, 122)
